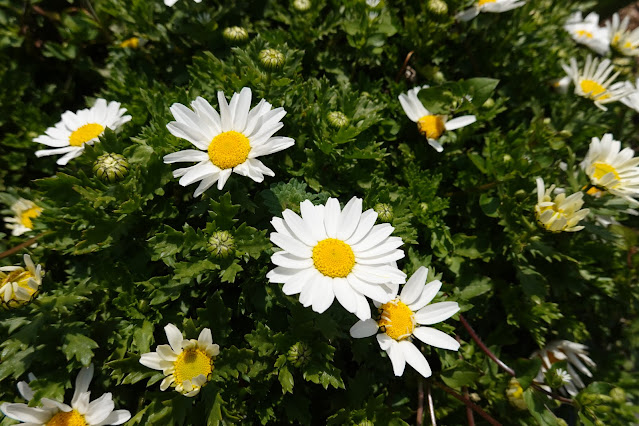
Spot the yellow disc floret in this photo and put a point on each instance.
(190, 364)
(20, 277)
(397, 320)
(602, 169)
(70, 418)
(85, 133)
(593, 90)
(584, 33)
(431, 126)
(229, 149)
(27, 215)
(483, 2)
(333, 258)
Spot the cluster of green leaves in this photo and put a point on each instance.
(123, 259)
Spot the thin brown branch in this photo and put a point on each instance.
(553, 395)
(403, 68)
(420, 403)
(476, 408)
(21, 246)
(484, 348)
(431, 406)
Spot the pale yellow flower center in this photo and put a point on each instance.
(27, 215)
(333, 258)
(602, 169)
(132, 42)
(21, 277)
(593, 90)
(397, 320)
(229, 149)
(483, 2)
(431, 126)
(190, 364)
(584, 33)
(71, 418)
(85, 133)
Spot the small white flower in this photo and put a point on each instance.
(561, 214)
(588, 32)
(187, 364)
(576, 356)
(24, 212)
(403, 318)
(170, 3)
(430, 125)
(331, 253)
(595, 82)
(81, 412)
(624, 41)
(227, 142)
(75, 129)
(612, 169)
(492, 6)
(19, 285)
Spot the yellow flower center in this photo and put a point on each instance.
(85, 134)
(21, 277)
(27, 215)
(602, 169)
(229, 149)
(519, 391)
(615, 39)
(71, 418)
(333, 258)
(593, 89)
(132, 42)
(584, 33)
(190, 364)
(431, 126)
(483, 2)
(397, 320)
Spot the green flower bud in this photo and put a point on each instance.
(235, 34)
(438, 7)
(384, 212)
(271, 59)
(299, 354)
(302, 5)
(110, 168)
(337, 119)
(507, 158)
(489, 103)
(618, 395)
(222, 244)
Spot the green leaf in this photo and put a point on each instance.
(538, 406)
(286, 380)
(80, 347)
(526, 371)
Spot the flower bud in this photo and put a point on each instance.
(302, 5)
(337, 119)
(618, 395)
(222, 244)
(384, 212)
(515, 394)
(299, 354)
(271, 59)
(488, 103)
(235, 34)
(438, 7)
(110, 168)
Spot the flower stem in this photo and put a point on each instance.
(431, 406)
(484, 348)
(21, 246)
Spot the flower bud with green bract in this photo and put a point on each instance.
(299, 354)
(110, 168)
(618, 395)
(302, 5)
(337, 119)
(438, 7)
(271, 59)
(384, 212)
(222, 244)
(235, 34)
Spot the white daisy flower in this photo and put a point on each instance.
(227, 142)
(170, 3)
(403, 317)
(576, 356)
(82, 411)
(612, 169)
(75, 129)
(24, 212)
(595, 82)
(429, 125)
(588, 32)
(18, 285)
(187, 364)
(624, 41)
(492, 6)
(330, 253)
(632, 100)
(561, 214)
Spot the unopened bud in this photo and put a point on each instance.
(618, 395)
(488, 103)
(222, 244)
(384, 212)
(302, 5)
(110, 168)
(299, 354)
(337, 119)
(438, 7)
(235, 34)
(271, 59)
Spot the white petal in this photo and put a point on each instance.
(117, 417)
(349, 218)
(459, 122)
(366, 222)
(174, 336)
(100, 409)
(414, 286)
(436, 145)
(25, 391)
(345, 294)
(364, 328)
(437, 312)
(439, 339)
(205, 337)
(185, 156)
(331, 217)
(415, 358)
(151, 360)
(299, 227)
(24, 413)
(396, 356)
(323, 295)
(428, 294)
(291, 245)
(82, 383)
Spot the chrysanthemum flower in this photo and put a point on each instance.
(328, 254)
(561, 214)
(170, 3)
(24, 212)
(403, 317)
(18, 285)
(82, 412)
(492, 6)
(588, 32)
(612, 170)
(227, 142)
(595, 83)
(187, 364)
(576, 356)
(430, 125)
(624, 41)
(75, 129)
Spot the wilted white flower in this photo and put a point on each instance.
(561, 214)
(576, 356)
(19, 285)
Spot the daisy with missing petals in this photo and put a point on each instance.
(595, 83)
(403, 318)
(577, 358)
(227, 142)
(623, 41)
(492, 6)
(561, 214)
(612, 169)
(82, 412)
(24, 212)
(187, 364)
(77, 128)
(430, 125)
(588, 32)
(18, 285)
(331, 253)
